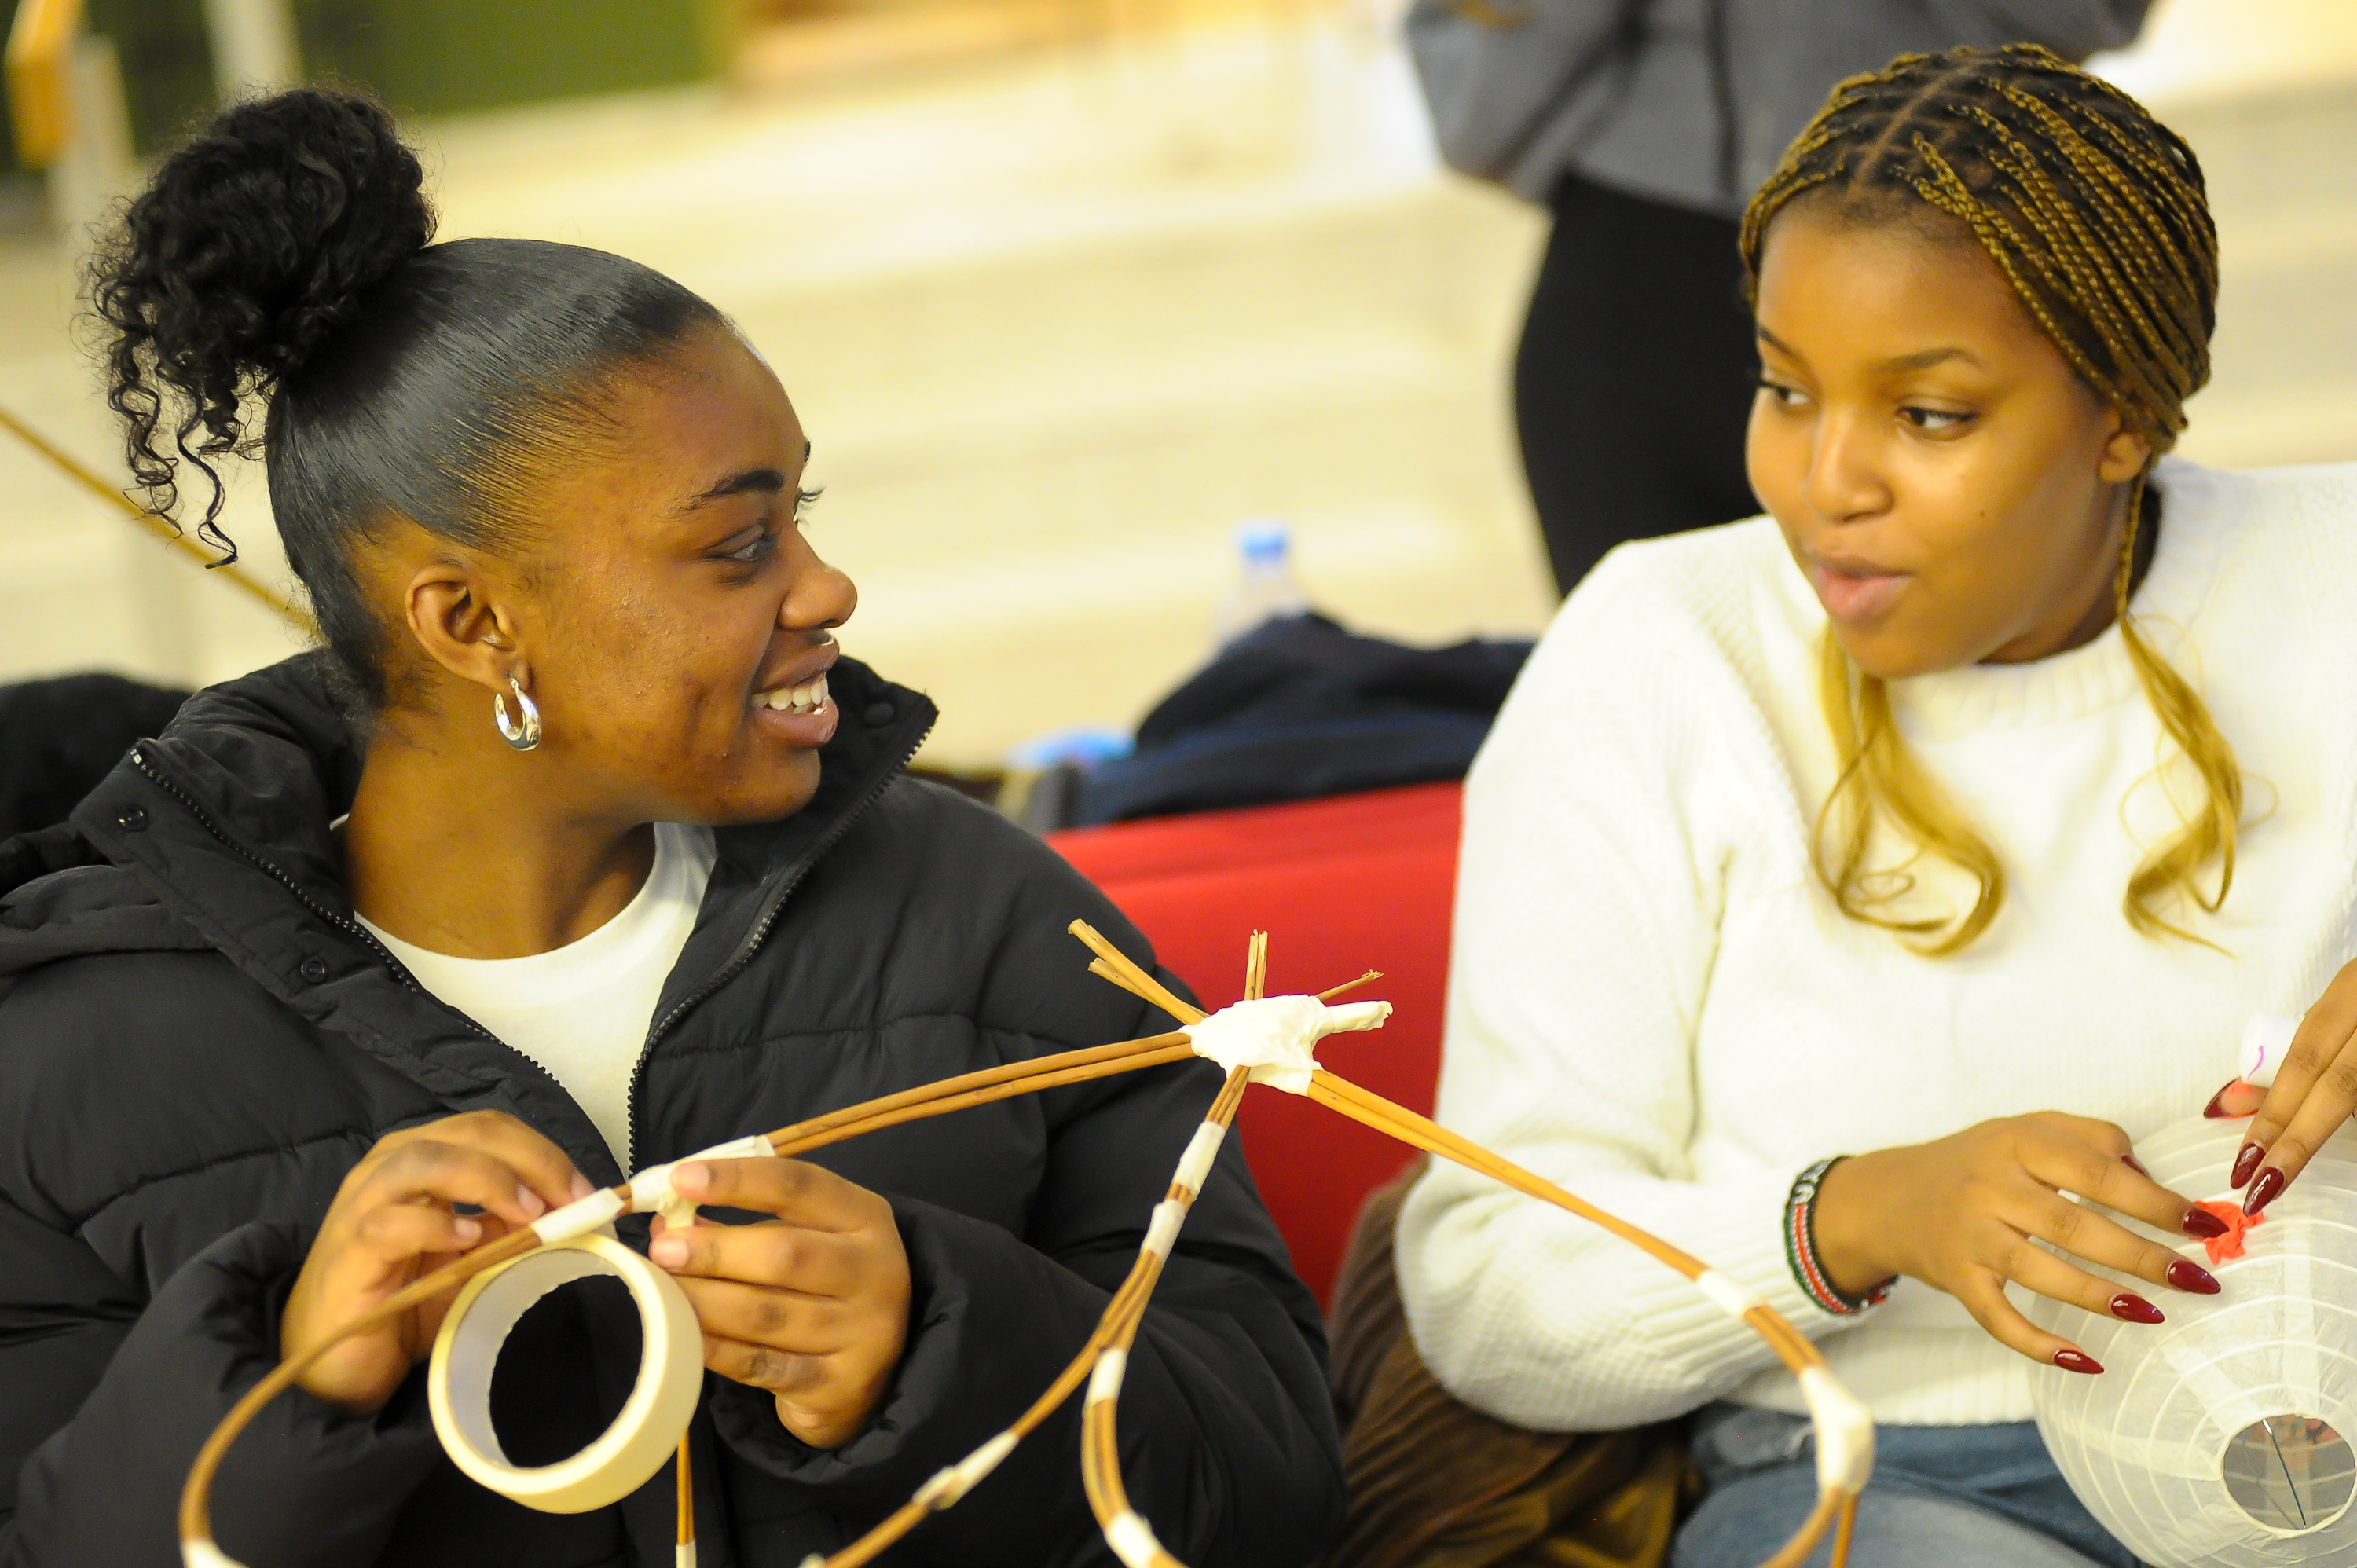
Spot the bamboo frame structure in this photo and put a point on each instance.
(1102, 1357)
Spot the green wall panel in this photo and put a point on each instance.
(424, 56)
(437, 57)
(167, 66)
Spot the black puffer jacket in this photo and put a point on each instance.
(197, 1041)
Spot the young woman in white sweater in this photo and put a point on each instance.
(1872, 828)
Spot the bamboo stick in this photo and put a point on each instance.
(1029, 1084)
(1116, 965)
(246, 582)
(1328, 995)
(1100, 1440)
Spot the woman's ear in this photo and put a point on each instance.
(2127, 452)
(453, 616)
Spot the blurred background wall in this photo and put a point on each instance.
(1063, 289)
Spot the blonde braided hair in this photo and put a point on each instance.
(2097, 216)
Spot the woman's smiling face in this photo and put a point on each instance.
(1953, 492)
(679, 623)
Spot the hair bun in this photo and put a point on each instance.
(256, 243)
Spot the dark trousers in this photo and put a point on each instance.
(1635, 376)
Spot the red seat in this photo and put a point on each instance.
(1342, 886)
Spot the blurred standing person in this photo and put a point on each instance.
(1645, 126)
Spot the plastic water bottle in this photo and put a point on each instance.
(1267, 590)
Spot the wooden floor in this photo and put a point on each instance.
(1059, 313)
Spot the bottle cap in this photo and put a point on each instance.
(1264, 538)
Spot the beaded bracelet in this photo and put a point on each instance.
(1800, 1246)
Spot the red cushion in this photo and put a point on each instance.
(1342, 886)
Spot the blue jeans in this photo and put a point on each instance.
(1943, 1496)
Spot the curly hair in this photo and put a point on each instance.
(284, 256)
(2097, 217)
(255, 241)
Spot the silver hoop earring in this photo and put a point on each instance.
(523, 733)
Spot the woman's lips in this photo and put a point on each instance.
(795, 708)
(802, 716)
(805, 731)
(1851, 594)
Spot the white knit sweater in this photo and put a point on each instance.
(1654, 1002)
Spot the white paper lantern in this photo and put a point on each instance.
(2216, 1437)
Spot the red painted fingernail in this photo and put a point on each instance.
(2246, 1160)
(2216, 1110)
(2201, 1225)
(2186, 1275)
(2130, 1161)
(2077, 1361)
(2130, 1307)
(2264, 1187)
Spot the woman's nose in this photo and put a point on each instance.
(1844, 482)
(819, 600)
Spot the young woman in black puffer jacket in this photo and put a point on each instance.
(578, 848)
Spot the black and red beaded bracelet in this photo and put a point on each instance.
(1800, 1246)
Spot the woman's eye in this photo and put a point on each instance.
(1778, 393)
(803, 501)
(755, 549)
(1935, 421)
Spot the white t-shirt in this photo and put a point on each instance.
(582, 1011)
(1653, 1002)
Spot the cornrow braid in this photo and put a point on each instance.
(2097, 217)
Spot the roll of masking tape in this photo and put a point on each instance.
(648, 1430)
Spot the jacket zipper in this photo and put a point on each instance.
(735, 965)
(351, 927)
(759, 933)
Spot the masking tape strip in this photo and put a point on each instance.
(651, 1189)
(1845, 1431)
(643, 1436)
(578, 1218)
(1275, 1038)
(1104, 1380)
(949, 1485)
(1132, 1539)
(1195, 1166)
(1731, 1296)
(1346, 1017)
(1169, 1214)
